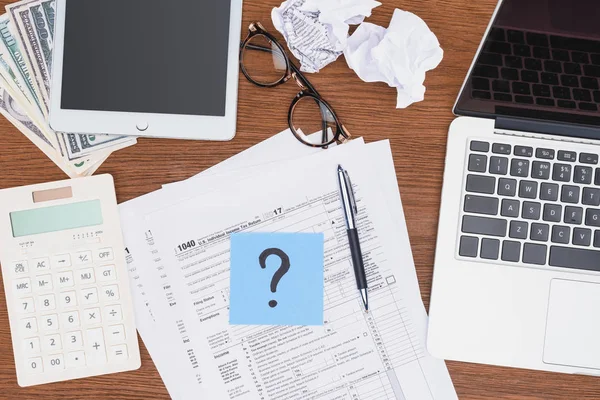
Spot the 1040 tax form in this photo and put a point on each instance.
(355, 355)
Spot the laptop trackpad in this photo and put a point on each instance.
(573, 324)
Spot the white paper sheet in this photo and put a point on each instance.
(377, 355)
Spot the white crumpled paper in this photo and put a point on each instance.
(399, 55)
(316, 31)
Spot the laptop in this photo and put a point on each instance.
(517, 268)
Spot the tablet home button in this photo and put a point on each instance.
(142, 126)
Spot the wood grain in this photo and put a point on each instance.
(418, 137)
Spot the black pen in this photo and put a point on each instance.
(350, 211)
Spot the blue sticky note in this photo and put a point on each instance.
(276, 279)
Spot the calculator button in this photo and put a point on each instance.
(113, 313)
(47, 302)
(116, 334)
(54, 362)
(31, 346)
(76, 359)
(19, 267)
(70, 319)
(52, 343)
(43, 282)
(106, 273)
(110, 293)
(34, 365)
(104, 255)
(49, 322)
(61, 261)
(67, 299)
(40, 264)
(92, 316)
(85, 276)
(89, 296)
(94, 347)
(118, 353)
(22, 285)
(73, 340)
(65, 279)
(27, 305)
(29, 325)
(83, 258)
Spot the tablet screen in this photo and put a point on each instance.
(146, 56)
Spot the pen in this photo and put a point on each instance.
(350, 211)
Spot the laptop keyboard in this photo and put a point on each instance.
(535, 68)
(537, 206)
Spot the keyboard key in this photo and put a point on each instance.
(579, 57)
(552, 212)
(597, 239)
(531, 210)
(588, 83)
(501, 148)
(533, 64)
(106, 273)
(566, 104)
(498, 165)
(113, 313)
(524, 151)
(503, 97)
(515, 36)
(513, 62)
(31, 346)
(116, 333)
(583, 175)
(561, 234)
(591, 196)
(567, 156)
(552, 66)
(490, 249)
(534, 253)
(510, 208)
(498, 47)
(106, 254)
(68, 299)
(70, 320)
(560, 55)
(510, 74)
(485, 71)
(73, 340)
(477, 163)
(519, 167)
(49, 322)
(65, 279)
(537, 39)
(481, 184)
(26, 305)
(501, 86)
(582, 95)
(549, 78)
(588, 158)
(52, 343)
(61, 261)
(29, 325)
(41, 264)
(111, 293)
(597, 96)
(19, 267)
(47, 302)
(571, 68)
(539, 232)
(528, 189)
(507, 187)
(76, 359)
(484, 226)
(490, 59)
(529, 76)
(595, 59)
(592, 217)
(83, 257)
(561, 92)
(89, 296)
(521, 50)
(541, 52)
(95, 350)
(573, 215)
(542, 101)
(518, 230)
(55, 362)
(475, 146)
(587, 106)
(92, 316)
(42, 283)
(561, 172)
(34, 365)
(591, 70)
(524, 99)
(570, 257)
(542, 90)
(497, 34)
(582, 237)
(22, 286)
(540, 170)
(85, 276)
(468, 246)
(520, 87)
(118, 353)
(511, 251)
(570, 194)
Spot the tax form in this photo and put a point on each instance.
(379, 355)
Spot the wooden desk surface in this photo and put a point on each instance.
(418, 136)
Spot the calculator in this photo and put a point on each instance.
(65, 279)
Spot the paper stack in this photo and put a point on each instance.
(178, 253)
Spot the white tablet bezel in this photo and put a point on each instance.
(147, 124)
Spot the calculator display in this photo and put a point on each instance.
(56, 218)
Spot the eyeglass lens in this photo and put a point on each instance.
(313, 121)
(263, 60)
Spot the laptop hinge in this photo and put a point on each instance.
(565, 132)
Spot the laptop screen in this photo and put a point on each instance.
(541, 61)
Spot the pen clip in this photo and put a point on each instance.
(350, 193)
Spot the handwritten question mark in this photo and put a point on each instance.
(281, 271)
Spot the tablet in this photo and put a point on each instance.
(146, 67)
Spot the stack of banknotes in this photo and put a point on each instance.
(27, 34)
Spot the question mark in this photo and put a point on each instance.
(283, 268)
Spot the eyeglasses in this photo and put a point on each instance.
(265, 63)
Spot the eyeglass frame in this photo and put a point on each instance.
(306, 88)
